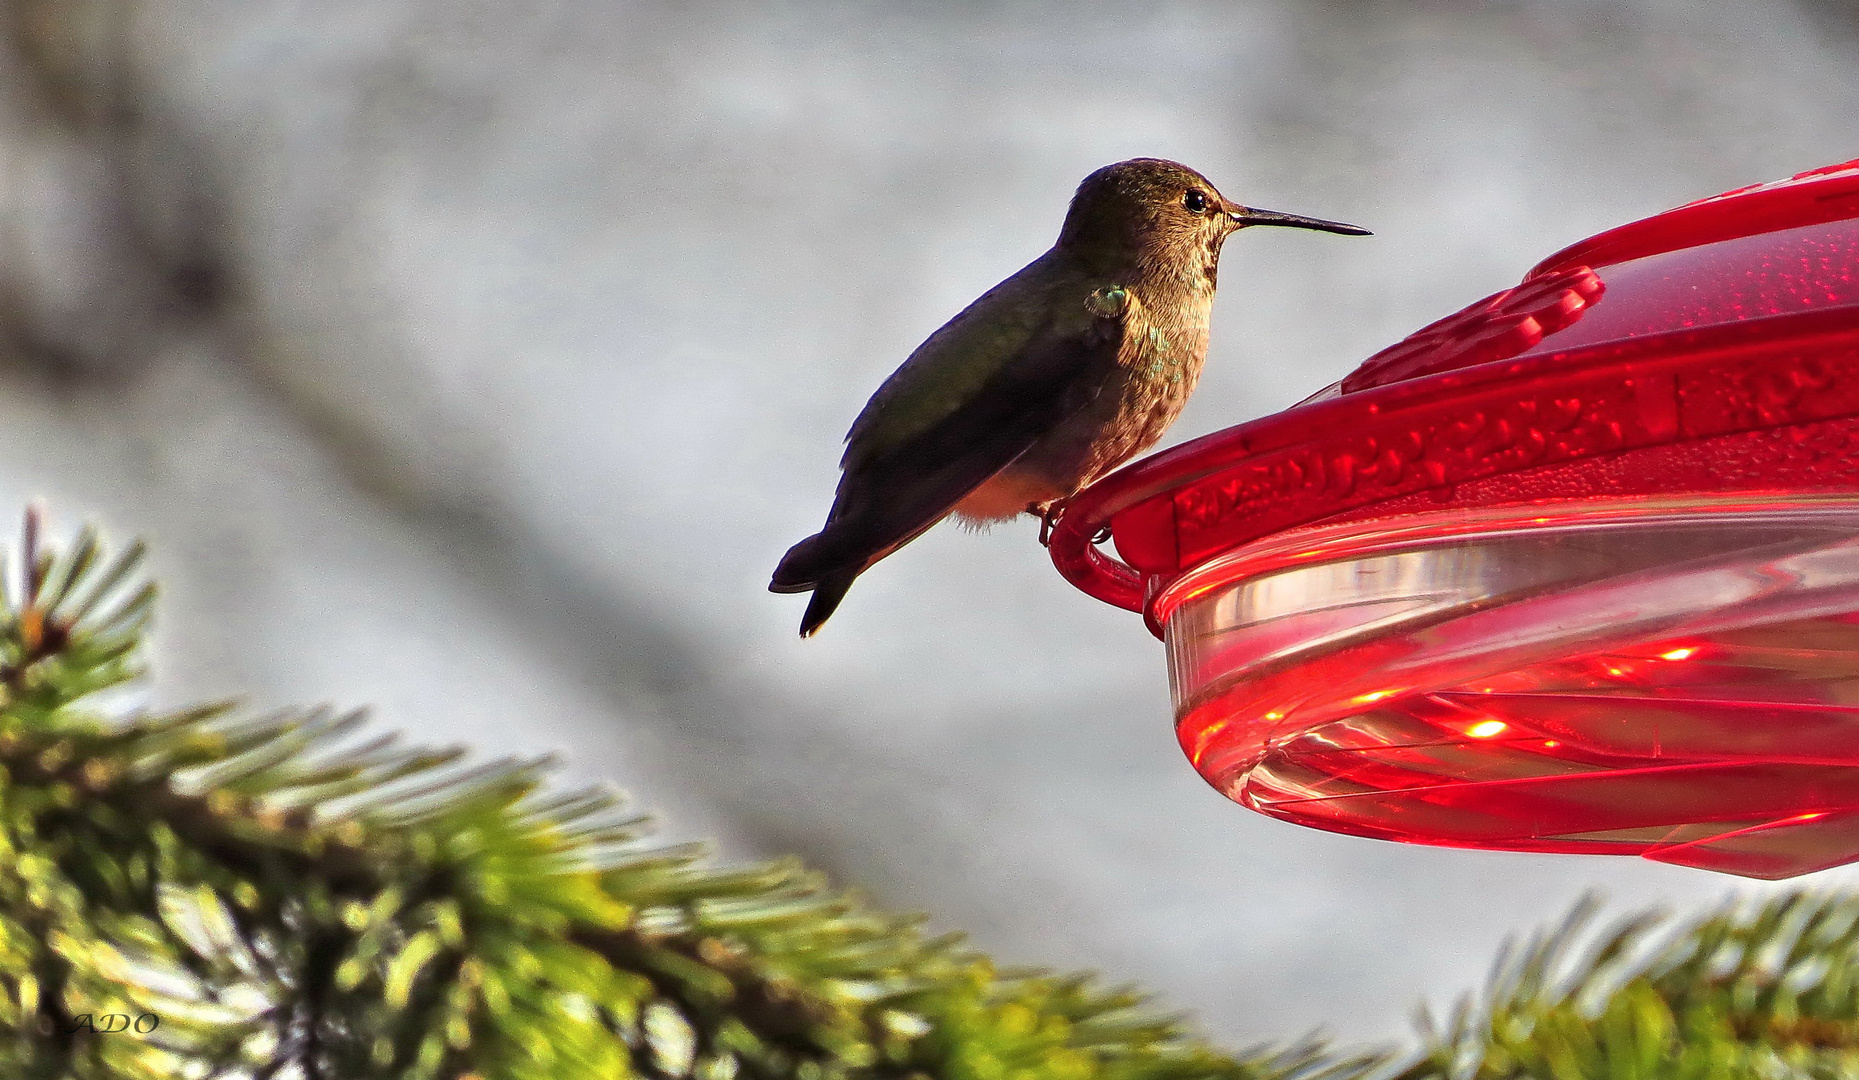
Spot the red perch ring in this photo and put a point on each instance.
(1575, 569)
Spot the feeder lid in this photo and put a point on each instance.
(1651, 334)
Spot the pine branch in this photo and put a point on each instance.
(285, 899)
(1752, 990)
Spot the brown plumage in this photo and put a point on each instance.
(1048, 381)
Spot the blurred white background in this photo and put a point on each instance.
(478, 360)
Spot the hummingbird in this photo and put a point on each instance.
(1057, 375)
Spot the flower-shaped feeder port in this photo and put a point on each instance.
(1575, 569)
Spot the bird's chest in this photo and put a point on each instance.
(1161, 359)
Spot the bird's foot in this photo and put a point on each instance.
(1048, 517)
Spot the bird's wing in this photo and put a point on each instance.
(955, 363)
(896, 487)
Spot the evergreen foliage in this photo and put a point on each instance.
(1767, 990)
(208, 894)
(287, 901)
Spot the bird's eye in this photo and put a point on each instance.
(1195, 200)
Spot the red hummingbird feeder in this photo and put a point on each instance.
(1575, 569)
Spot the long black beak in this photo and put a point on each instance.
(1244, 215)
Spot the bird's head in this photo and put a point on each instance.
(1165, 216)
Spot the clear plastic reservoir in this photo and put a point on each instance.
(1673, 678)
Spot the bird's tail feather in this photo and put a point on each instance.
(828, 562)
(824, 563)
(827, 594)
(809, 562)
